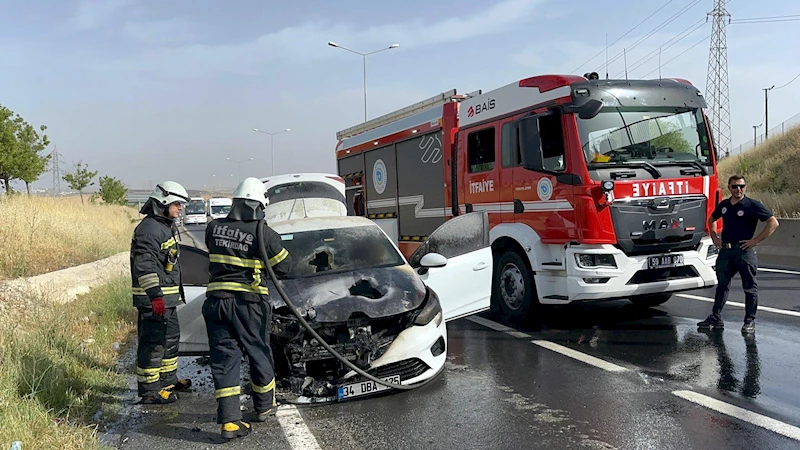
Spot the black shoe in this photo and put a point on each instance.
(162, 398)
(263, 416)
(181, 385)
(236, 429)
(749, 327)
(711, 322)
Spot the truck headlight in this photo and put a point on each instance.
(430, 310)
(712, 251)
(591, 261)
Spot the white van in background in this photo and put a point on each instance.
(195, 211)
(219, 207)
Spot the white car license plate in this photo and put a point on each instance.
(366, 387)
(661, 261)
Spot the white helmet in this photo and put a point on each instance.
(252, 189)
(168, 192)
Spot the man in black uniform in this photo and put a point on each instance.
(156, 278)
(740, 215)
(236, 310)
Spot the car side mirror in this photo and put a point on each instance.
(432, 260)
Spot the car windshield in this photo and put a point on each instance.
(195, 207)
(656, 136)
(303, 189)
(331, 251)
(220, 209)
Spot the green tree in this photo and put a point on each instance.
(113, 191)
(81, 178)
(32, 164)
(9, 148)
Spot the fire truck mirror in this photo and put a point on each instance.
(590, 109)
(530, 145)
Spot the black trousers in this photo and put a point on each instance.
(731, 261)
(235, 326)
(157, 351)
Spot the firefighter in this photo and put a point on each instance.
(156, 289)
(236, 311)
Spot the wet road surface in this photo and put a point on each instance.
(605, 375)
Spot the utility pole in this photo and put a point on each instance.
(755, 137)
(766, 111)
(717, 83)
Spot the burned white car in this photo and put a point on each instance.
(357, 291)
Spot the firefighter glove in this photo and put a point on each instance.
(159, 308)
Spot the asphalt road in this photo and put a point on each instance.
(597, 376)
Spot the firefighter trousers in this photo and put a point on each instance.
(157, 351)
(234, 326)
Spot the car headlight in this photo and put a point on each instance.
(590, 261)
(430, 310)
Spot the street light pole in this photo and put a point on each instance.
(766, 111)
(364, 60)
(271, 144)
(240, 165)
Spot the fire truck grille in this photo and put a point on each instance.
(647, 226)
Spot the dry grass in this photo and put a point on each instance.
(43, 234)
(772, 172)
(57, 368)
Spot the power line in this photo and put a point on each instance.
(678, 55)
(672, 18)
(748, 19)
(627, 33)
(682, 35)
(798, 76)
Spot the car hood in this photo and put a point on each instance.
(376, 293)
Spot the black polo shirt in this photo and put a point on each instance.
(739, 221)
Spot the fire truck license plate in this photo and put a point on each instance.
(366, 387)
(660, 261)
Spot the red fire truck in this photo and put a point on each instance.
(595, 189)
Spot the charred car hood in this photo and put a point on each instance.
(376, 293)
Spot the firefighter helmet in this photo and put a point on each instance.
(168, 192)
(252, 189)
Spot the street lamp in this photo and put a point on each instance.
(364, 58)
(271, 147)
(240, 166)
(766, 111)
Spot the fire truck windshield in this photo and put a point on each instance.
(654, 137)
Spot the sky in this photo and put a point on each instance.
(148, 90)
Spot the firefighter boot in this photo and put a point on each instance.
(263, 416)
(236, 429)
(162, 398)
(181, 385)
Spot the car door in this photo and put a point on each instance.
(464, 282)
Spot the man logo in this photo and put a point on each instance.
(674, 224)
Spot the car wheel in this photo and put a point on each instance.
(513, 292)
(648, 301)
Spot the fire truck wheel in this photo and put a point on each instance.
(514, 293)
(648, 301)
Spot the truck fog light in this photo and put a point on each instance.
(595, 280)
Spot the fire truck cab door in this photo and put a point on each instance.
(456, 263)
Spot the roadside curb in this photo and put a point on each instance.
(63, 286)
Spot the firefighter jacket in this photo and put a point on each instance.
(155, 269)
(235, 267)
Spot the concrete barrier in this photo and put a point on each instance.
(783, 247)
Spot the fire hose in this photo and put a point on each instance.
(296, 313)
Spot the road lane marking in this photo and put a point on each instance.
(741, 414)
(295, 428)
(742, 305)
(790, 272)
(580, 356)
(566, 351)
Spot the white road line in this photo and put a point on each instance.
(295, 428)
(498, 327)
(741, 305)
(580, 356)
(741, 414)
(790, 272)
